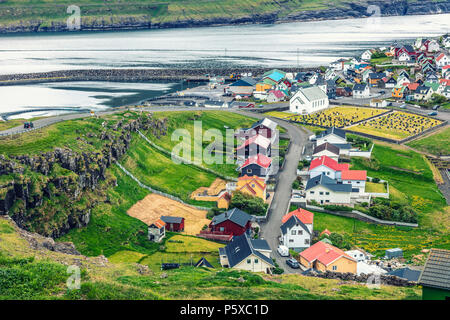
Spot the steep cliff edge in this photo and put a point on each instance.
(111, 16)
(53, 192)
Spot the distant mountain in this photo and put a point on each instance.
(98, 15)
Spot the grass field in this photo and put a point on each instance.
(436, 143)
(411, 182)
(397, 125)
(375, 187)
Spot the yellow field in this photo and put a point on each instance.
(279, 114)
(397, 125)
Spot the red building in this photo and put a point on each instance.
(173, 223)
(234, 222)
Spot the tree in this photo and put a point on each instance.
(248, 203)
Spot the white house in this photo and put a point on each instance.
(404, 57)
(308, 100)
(402, 79)
(442, 60)
(244, 253)
(378, 103)
(326, 149)
(157, 231)
(325, 190)
(366, 55)
(433, 46)
(446, 42)
(361, 91)
(356, 178)
(332, 135)
(358, 255)
(337, 65)
(328, 167)
(297, 229)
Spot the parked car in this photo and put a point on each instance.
(283, 251)
(261, 106)
(382, 92)
(436, 107)
(403, 106)
(432, 113)
(189, 103)
(293, 263)
(250, 105)
(28, 125)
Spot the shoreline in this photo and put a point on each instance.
(352, 11)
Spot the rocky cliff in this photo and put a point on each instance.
(53, 192)
(345, 10)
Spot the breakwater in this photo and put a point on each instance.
(132, 75)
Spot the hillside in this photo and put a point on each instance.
(51, 15)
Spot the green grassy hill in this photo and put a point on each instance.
(51, 15)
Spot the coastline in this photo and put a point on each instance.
(349, 11)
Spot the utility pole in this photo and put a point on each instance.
(297, 59)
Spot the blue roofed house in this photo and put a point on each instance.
(248, 254)
(325, 190)
(332, 135)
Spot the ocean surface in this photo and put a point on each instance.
(291, 44)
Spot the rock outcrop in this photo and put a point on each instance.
(54, 192)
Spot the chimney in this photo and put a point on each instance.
(327, 250)
(226, 214)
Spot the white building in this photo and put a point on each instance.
(442, 60)
(326, 149)
(157, 231)
(358, 255)
(308, 100)
(361, 91)
(404, 57)
(297, 230)
(332, 135)
(366, 55)
(356, 178)
(325, 190)
(328, 167)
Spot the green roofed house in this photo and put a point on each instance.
(435, 277)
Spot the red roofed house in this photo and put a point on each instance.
(325, 232)
(412, 87)
(253, 146)
(258, 165)
(275, 96)
(325, 257)
(297, 229)
(357, 178)
(442, 60)
(324, 164)
(157, 231)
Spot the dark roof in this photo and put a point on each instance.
(328, 183)
(235, 215)
(377, 75)
(326, 146)
(242, 83)
(359, 87)
(332, 130)
(260, 244)
(292, 221)
(168, 219)
(422, 89)
(406, 273)
(344, 146)
(203, 263)
(240, 248)
(436, 272)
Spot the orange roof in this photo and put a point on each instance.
(412, 86)
(246, 177)
(303, 215)
(354, 175)
(159, 223)
(326, 231)
(324, 253)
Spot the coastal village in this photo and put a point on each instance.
(390, 94)
(240, 220)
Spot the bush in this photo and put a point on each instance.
(339, 241)
(376, 180)
(248, 203)
(333, 207)
(278, 270)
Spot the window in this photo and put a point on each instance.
(249, 261)
(293, 232)
(312, 192)
(256, 260)
(357, 182)
(334, 268)
(300, 232)
(221, 229)
(327, 193)
(291, 240)
(249, 170)
(306, 241)
(321, 193)
(327, 200)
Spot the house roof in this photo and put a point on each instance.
(413, 86)
(235, 215)
(292, 221)
(313, 93)
(360, 87)
(260, 244)
(344, 146)
(333, 130)
(158, 224)
(168, 219)
(277, 93)
(326, 146)
(436, 272)
(241, 83)
(406, 273)
(266, 122)
(257, 139)
(328, 162)
(326, 231)
(241, 247)
(423, 89)
(360, 175)
(304, 215)
(260, 159)
(203, 263)
(323, 252)
(328, 183)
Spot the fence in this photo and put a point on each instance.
(157, 191)
(183, 160)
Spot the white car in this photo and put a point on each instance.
(283, 251)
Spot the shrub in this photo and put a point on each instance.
(248, 203)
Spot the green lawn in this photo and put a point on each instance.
(375, 187)
(437, 143)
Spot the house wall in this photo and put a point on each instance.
(298, 242)
(360, 184)
(317, 171)
(230, 227)
(332, 197)
(241, 90)
(254, 170)
(342, 265)
(223, 203)
(256, 264)
(307, 106)
(326, 153)
(304, 262)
